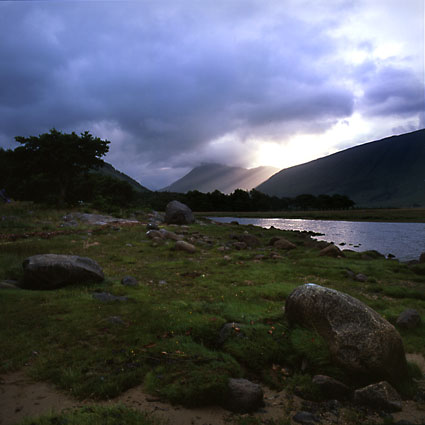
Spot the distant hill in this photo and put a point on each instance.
(209, 177)
(384, 173)
(109, 170)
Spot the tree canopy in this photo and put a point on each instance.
(48, 166)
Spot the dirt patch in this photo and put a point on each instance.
(21, 397)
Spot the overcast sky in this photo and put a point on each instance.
(176, 83)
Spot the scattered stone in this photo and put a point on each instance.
(229, 330)
(259, 257)
(359, 339)
(332, 388)
(115, 320)
(106, 297)
(9, 284)
(178, 213)
(306, 418)
(152, 226)
(350, 274)
(273, 240)
(162, 282)
(245, 396)
(129, 281)
(152, 234)
(379, 396)
(157, 241)
(96, 219)
(166, 234)
(331, 251)
(282, 243)
(227, 258)
(409, 319)
(360, 277)
(250, 240)
(185, 246)
(240, 245)
(51, 271)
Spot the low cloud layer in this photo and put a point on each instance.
(176, 83)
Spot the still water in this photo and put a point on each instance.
(404, 240)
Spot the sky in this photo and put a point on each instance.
(177, 83)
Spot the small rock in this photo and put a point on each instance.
(331, 251)
(306, 418)
(331, 388)
(282, 243)
(409, 319)
(245, 396)
(166, 234)
(379, 396)
(152, 226)
(162, 282)
(229, 330)
(227, 258)
(185, 246)
(359, 277)
(129, 281)
(9, 284)
(115, 320)
(152, 234)
(240, 245)
(107, 297)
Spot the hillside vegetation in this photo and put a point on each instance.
(385, 173)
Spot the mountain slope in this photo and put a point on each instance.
(109, 170)
(385, 173)
(209, 177)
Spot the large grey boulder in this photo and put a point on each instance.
(51, 271)
(178, 213)
(360, 341)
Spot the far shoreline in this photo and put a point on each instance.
(395, 215)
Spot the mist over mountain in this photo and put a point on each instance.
(384, 173)
(210, 177)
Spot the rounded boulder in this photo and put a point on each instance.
(51, 271)
(360, 341)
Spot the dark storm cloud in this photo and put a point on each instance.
(171, 78)
(393, 91)
(163, 80)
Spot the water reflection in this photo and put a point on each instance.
(404, 240)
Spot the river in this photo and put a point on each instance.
(404, 240)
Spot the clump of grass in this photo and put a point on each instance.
(95, 415)
(192, 375)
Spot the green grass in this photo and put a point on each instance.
(169, 336)
(95, 415)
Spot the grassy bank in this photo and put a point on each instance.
(407, 215)
(169, 334)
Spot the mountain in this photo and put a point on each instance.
(109, 170)
(209, 177)
(384, 173)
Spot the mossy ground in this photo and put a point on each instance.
(168, 336)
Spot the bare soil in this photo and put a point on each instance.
(21, 397)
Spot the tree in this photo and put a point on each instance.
(58, 159)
